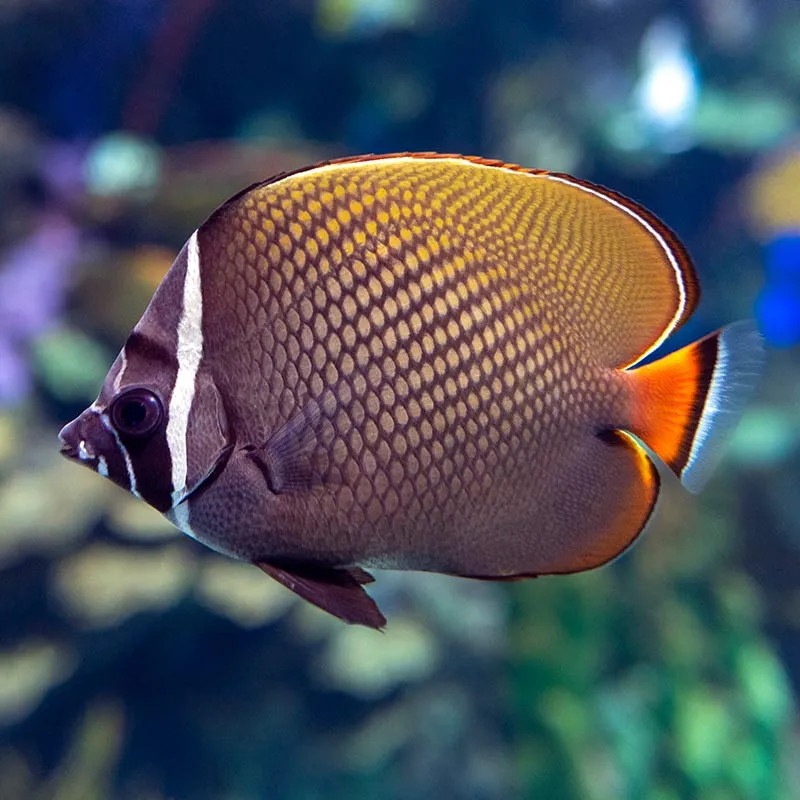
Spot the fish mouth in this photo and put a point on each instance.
(73, 444)
(67, 439)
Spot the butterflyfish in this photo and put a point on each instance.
(417, 362)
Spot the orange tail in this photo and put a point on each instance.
(688, 401)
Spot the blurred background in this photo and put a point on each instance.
(136, 664)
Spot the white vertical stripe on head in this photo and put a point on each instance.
(180, 518)
(126, 456)
(122, 367)
(189, 353)
(102, 466)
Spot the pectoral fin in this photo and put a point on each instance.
(294, 459)
(339, 591)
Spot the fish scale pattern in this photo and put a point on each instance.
(453, 326)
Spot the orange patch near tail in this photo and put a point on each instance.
(687, 402)
(670, 396)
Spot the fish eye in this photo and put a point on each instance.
(136, 412)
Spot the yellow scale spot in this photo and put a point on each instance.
(333, 227)
(403, 300)
(296, 230)
(360, 237)
(387, 278)
(321, 331)
(372, 227)
(315, 207)
(343, 215)
(423, 254)
(359, 269)
(300, 259)
(383, 217)
(367, 200)
(349, 308)
(362, 295)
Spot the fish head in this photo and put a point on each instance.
(156, 429)
(134, 435)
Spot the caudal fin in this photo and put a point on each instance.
(688, 401)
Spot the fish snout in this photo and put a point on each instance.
(68, 439)
(73, 444)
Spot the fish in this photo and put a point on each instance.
(417, 362)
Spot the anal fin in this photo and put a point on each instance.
(337, 590)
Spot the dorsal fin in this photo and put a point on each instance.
(635, 280)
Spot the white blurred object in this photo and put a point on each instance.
(122, 163)
(666, 94)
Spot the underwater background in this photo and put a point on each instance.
(134, 663)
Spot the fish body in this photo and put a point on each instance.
(416, 362)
